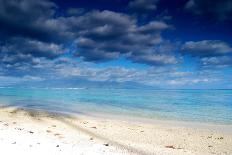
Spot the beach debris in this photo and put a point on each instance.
(94, 127)
(170, 146)
(173, 147)
(210, 146)
(85, 122)
(57, 145)
(54, 126)
(142, 131)
(6, 124)
(48, 131)
(14, 143)
(106, 144)
(31, 132)
(91, 138)
(209, 137)
(14, 122)
(219, 138)
(57, 134)
(18, 128)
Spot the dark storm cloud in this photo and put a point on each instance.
(20, 52)
(220, 9)
(98, 35)
(106, 35)
(211, 52)
(143, 5)
(206, 48)
(29, 18)
(26, 10)
(31, 47)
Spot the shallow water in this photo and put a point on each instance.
(213, 106)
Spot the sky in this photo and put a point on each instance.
(170, 44)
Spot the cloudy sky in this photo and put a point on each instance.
(160, 43)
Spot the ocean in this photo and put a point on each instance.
(211, 106)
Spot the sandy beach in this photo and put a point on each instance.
(33, 132)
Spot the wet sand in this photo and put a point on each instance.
(34, 132)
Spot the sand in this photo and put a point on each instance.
(35, 132)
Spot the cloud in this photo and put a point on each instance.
(222, 61)
(211, 53)
(191, 81)
(153, 76)
(219, 9)
(22, 54)
(98, 35)
(143, 5)
(36, 9)
(161, 54)
(107, 35)
(206, 48)
(155, 60)
(35, 48)
(64, 68)
(31, 19)
(39, 40)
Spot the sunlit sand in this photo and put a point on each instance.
(31, 132)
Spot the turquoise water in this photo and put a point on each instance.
(188, 105)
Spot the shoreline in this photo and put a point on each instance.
(218, 127)
(107, 135)
(223, 127)
(215, 127)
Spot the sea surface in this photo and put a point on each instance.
(211, 106)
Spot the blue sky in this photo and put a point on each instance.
(160, 43)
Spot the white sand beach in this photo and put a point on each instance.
(31, 132)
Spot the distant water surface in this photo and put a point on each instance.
(213, 106)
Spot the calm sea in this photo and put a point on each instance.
(214, 106)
